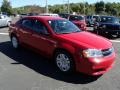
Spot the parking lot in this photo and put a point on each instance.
(25, 70)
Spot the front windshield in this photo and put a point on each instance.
(63, 26)
(109, 19)
(96, 18)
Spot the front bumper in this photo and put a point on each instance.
(109, 31)
(95, 66)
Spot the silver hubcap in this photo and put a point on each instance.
(14, 42)
(63, 62)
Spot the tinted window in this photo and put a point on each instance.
(27, 23)
(90, 17)
(19, 22)
(87, 17)
(72, 18)
(64, 15)
(63, 26)
(96, 18)
(39, 27)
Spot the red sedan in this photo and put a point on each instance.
(58, 38)
(79, 21)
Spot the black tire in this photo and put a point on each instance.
(15, 42)
(69, 60)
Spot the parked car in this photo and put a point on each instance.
(58, 38)
(79, 21)
(32, 14)
(49, 14)
(5, 20)
(108, 25)
(91, 22)
(64, 15)
(23, 15)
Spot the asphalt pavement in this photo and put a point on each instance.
(26, 70)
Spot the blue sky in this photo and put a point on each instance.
(18, 3)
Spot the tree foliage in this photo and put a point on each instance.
(80, 8)
(29, 9)
(6, 7)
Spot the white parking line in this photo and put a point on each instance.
(116, 41)
(4, 33)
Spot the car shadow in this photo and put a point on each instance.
(42, 65)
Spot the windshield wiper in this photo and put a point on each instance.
(65, 32)
(75, 31)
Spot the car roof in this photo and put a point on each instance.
(48, 14)
(106, 16)
(76, 15)
(45, 17)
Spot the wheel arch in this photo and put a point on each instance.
(69, 53)
(65, 47)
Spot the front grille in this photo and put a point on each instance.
(107, 52)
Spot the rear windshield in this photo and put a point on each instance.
(96, 18)
(73, 18)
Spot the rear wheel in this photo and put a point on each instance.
(64, 61)
(15, 42)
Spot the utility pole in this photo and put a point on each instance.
(104, 6)
(68, 7)
(84, 7)
(46, 6)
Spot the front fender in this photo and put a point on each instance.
(67, 47)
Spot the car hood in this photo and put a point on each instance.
(88, 40)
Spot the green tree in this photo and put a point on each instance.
(99, 7)
(6, 7)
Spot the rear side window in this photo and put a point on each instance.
(72, 18)
(27, 23)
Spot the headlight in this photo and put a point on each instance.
(92, 53)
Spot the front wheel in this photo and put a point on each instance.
(64, 62)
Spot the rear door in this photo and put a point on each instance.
(25, 31)
(41, 38)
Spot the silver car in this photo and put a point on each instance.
(5, 20)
